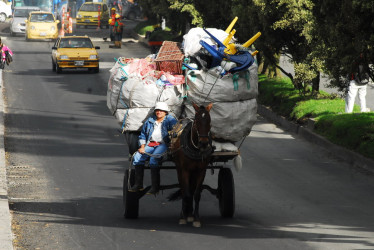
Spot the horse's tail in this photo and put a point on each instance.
(175, 196)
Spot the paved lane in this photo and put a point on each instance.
(65, 165)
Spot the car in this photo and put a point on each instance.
(5, 11)
(41, 25)
(88, 15)
(17, 22)
(75, 52)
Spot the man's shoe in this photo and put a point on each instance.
(139, 175)
(155, 178)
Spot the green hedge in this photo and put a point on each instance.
(156, 33)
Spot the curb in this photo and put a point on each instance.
(354, 159)
(6, 236)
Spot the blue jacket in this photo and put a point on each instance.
(147, 130)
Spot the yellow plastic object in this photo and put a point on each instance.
(230, 48)
(228, 30)
(252, 40)
(228, 38)
(254, 53)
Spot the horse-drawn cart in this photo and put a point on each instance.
(219, 86)
(225, 190)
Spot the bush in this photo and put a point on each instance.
(142, 27)
(353, 131)
(156, 33)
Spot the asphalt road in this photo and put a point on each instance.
(65, 163)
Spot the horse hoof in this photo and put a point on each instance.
(190, 219)
(196, 224)
(182, 222)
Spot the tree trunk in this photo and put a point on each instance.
(265, 66)
(315, 83)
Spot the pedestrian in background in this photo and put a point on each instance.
(118, 30)
(112, 21)
(6, 57)
(358, 80)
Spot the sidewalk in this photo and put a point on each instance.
(306, 132)
(5, 218)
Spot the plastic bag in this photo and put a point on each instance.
(191, 41)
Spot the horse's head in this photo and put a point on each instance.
(202, 126)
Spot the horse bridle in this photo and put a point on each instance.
(188, 146)
(200, 136)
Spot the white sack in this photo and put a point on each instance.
(224, 146)
(132, 119)
(145, 93)
(134, 99)
(201, 82)
(191, 40)
(231, 121)
(114, 87)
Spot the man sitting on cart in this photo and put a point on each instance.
(153, 141)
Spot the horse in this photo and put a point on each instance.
(190, 151)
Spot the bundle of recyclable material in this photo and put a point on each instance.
(231, 121)
(170, 58)
(209, 86)
(191, 41)
(135, 86)
(225, 74)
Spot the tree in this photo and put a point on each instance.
(346, 31)
(177, 13)
(286, 27)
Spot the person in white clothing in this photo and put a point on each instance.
(358, 80)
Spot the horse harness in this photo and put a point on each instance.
(183, 131)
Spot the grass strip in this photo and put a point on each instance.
(353, 131)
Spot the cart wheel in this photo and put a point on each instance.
(226, 193)
(130, 199)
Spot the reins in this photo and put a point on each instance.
(193, 152)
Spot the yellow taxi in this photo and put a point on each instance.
(74, 52)
(90, 13)
(41, 25)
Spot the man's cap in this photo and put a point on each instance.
(162, 106)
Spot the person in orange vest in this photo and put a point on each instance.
(111, 23)
(118, 30)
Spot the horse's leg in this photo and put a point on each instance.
(190, 217)
(183, 177)
(197, 195)
(183, 217)
(192, 188)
